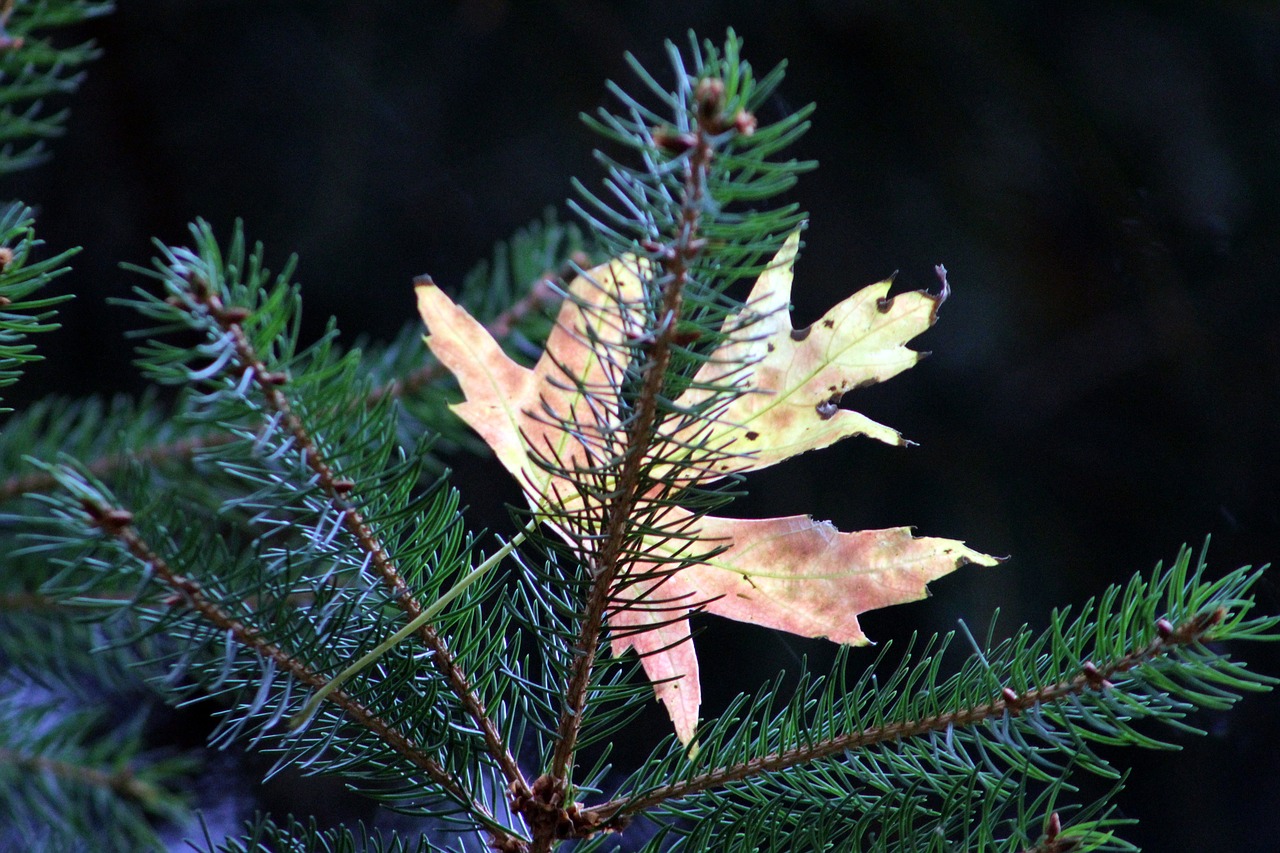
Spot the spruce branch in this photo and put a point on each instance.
(340, 490)
(319, 549)
(33, 71)
(68, 773)
(122, 782)
(1142, 651)
(23, 311)
(1009, 702)
(117, 523)
(182, 450)
(610, 556)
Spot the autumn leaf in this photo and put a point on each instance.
(794, 574)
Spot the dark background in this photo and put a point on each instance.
(1100, 179)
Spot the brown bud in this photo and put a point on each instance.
(111, 520)
(709, 97)
(1053, 827)
(745, 123)
(543, 786)
(1164, 628)
(234, 314)
(672, 141)
(684, 337)
(1092, 675)
(343, 486)
(6, 257)
(4, 300)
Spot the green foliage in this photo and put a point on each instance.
(284, 510)
(33, 70)
(22, 311)
(265, 835)
(65, 785)
(975, 774)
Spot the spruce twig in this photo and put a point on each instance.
(541, 294)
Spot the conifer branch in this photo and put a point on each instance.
(1091, 677)
(123, 782)
(118, 523)
(339, 491)
(674, 259)
(982, 758)
(182, 450)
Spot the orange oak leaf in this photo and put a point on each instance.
(794, 573)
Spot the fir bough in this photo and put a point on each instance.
(34, 70)
(284, 513)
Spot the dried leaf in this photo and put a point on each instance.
(793, 573)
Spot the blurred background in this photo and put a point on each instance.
(1100, 178)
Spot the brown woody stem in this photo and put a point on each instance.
(103, 465)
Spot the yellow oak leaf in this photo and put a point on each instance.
(793, 573)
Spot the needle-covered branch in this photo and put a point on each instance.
(1030, 705)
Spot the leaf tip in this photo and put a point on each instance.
(976, 558)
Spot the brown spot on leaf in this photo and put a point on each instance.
(828, 323)
(801, 334)
(827, 409)
(771, 347)
(753, 435)
(884, 303)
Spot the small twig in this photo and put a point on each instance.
(104, 465)
(1091, 677)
